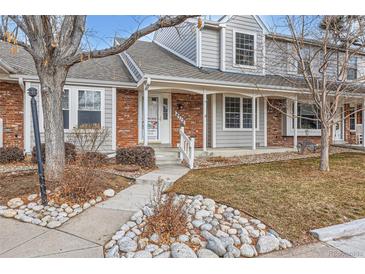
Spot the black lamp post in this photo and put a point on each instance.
(33, 93)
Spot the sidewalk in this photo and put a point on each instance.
(84, 235)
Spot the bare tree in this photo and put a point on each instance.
(54, 44)
(320, 49)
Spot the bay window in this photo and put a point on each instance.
(237, 111)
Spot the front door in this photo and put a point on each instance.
(159, 113)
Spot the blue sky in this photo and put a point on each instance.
(102, 29)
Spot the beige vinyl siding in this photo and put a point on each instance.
(210, 48)
(244, 24)
(235, 138)
(107, 146)
(181, 39)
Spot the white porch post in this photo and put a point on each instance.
(253, 123)
(204, 121)
(145, 115)
(363, 123)
(295, 112)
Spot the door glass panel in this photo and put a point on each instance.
(153, 126)
(165, 109)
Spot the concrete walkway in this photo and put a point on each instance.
(84, 235)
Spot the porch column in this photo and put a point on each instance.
(295, 112)
(145, 115)
(204, 121)
(363, 123)
(253, 123)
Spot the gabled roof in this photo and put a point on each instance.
(104, 69)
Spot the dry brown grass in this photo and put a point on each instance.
(291, 196)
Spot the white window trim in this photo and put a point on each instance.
(241, 120)
(289, 124)
(356, 113)
(74, 105)
(254, 51)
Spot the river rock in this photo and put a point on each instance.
(267, 244)
(247, 251)
(206, 253)
(15, 202)
(9, 213)
(180, 250)
(109, 192)
(142, 254)
(126, 244)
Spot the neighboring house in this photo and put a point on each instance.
(215, 80)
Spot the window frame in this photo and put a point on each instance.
(102, 103)
(352, 115)
(241, 128)
(69, 110)
(354, 67)
(254, 34)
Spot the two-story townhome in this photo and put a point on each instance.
(225, 83)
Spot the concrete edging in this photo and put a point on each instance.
(339, 231)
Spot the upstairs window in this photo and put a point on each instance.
(244, 49)
(66, 108)
(89, 112)
(352, 69)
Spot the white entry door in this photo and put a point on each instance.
(159, 126)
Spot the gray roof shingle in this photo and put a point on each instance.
(105, 69)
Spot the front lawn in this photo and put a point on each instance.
(291, 196)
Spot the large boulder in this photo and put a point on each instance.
(214, 244)
(180, 250)
(267, 244)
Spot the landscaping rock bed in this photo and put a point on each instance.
(30, 210)
(213, 230)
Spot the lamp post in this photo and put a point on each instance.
(33, 93)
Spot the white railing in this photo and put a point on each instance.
(1, 132)
(186, 148)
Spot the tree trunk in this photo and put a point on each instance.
(52, 82)
(325, 144)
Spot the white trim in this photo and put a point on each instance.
(253, 103)
(264, 55)
(363, 123)
(254, 34)
(140, 117)
(205, 102)
(1, 132)
(176, 53)
(265, 121)
(126, 55)
(145, 114)
(27, 120)
(222, 51)
(295, 129)
(198, 48)
(261, 24)
(81, 82)
(128, 68)
(6, 67)
(241, 120)
(114, 118)
(214, 120)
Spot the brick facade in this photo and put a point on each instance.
(189, 106)
(11, 111)
(127, 118)
(275, 123)
(350, 136)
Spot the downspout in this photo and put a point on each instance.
(21, 83)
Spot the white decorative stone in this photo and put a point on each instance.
(206, 253)
(126, 244)
(98, 199)
(247, 251)
(15, 202)
(53, 224)
(109, 192)
(202, 214)
(180, 250)
(267, 244)
(9, 213)
(32, 197)
(142, 254)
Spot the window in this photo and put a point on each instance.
(89, 111)
(66, 109)
(237, 107)
(306, 55)
(352, 69)
(307, 117)
(232, 112)
(352, 119)
(244, 49)
(165, 109)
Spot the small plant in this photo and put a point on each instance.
(70, 153)
(143, 156)
(92, 159)
(90, 137)
(11, 154)
(77, 185)
(169, 218)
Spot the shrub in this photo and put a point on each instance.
(93, 159)
(169, 217)
(70, 153)
(11, 154)
(143, 156)
(78, 185)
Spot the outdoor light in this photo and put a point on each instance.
(33, 93)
